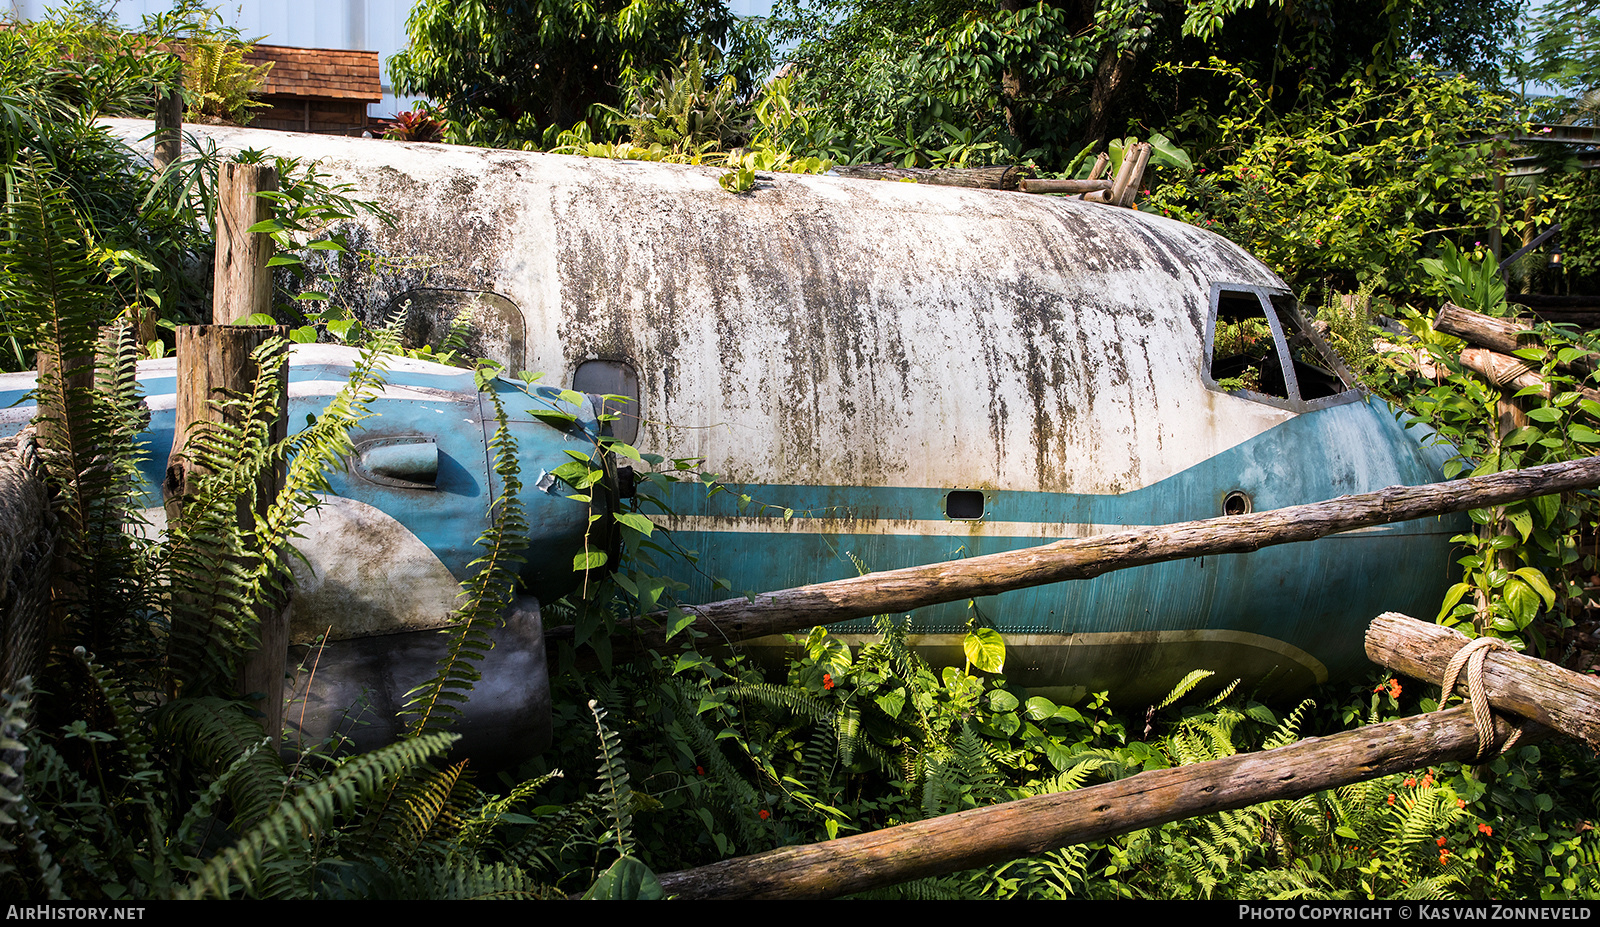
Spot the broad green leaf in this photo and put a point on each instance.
(636, 521)
(1540, 585)
(1040, 708)
(1001, 700)
(985, 649)
(628, 879)
(589, 560)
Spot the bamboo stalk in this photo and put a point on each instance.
(1064, 186)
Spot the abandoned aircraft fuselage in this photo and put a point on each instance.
(889, 374)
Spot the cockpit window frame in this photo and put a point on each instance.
(1293, 402)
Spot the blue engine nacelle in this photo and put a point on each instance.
(384, 553)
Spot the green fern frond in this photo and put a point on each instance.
(1288, 731)
(1223, 696)
(614, 782)
(214, 733)
(311, 812)
(1184, 687)
(415, 810)
(707, 748)
(472, 880)
(480, 822)
(26, 864)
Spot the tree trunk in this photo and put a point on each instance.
(1556, 698)
(1033, 825)
(1503, 336)
(1111, 79)
(984, 178)
(1012, 89)
(169, 126)
(1082, 558)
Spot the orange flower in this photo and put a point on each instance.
(1486, 830)
(765, 814)
(1391, 798)
(1461, 803)
(699, 770)
(1444, 857)
(1394, 688)
(1441, 841)
(1411, 783)
(827, 680)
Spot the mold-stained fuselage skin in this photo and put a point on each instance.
(847, 353)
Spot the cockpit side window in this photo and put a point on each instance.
(1260, 347)
(1317, 367)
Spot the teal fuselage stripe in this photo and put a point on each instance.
(1318, 596)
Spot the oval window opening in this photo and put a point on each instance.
(963, 504)
(1236, 503)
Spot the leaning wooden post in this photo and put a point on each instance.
(1513, 682)
(1029, 826)
(220, 357)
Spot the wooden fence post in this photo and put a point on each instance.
(243, 284)
(219, 357)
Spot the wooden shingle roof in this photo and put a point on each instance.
(325, 73)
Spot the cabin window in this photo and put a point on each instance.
(963, 504)
(476, 323)
(613, 378)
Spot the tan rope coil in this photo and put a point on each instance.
(1472, 656)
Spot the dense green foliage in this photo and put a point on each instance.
(507, 74)
(900, 82)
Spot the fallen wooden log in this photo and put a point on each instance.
(1531, 688)
(1029, 826)
(1508, 372)
(1004, 177)
(1064, 186)
(1528, 687)
(1502, 335)
(895, 591)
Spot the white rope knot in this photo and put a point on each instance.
(1472, 656)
